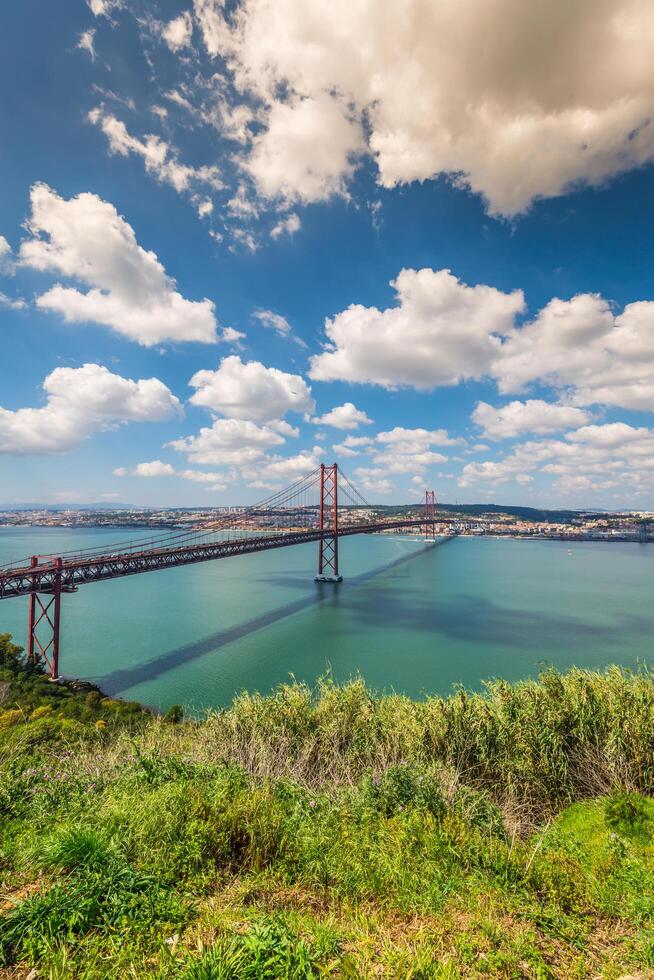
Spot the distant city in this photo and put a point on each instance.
(469, 519)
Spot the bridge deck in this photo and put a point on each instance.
(99, 568)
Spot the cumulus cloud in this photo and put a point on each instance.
(409, 450)
(7, 303)
(86, 42)
(85, 238)
(103, 8)
(515, 101)
(592, 457)
(534, 415)
(373, 480)
(346, 416)
(231, 336)
(440, 332)
(6, 265)
(352, 445)
(292, 161)
(178, 32)
(283, 469)
(157, 468)
(154, 468)
(580, 344)
(286, 226)
(79, 402)
(159, 157)
(415, 440)
(251, 391)
(229, 442)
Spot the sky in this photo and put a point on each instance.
(242, 237)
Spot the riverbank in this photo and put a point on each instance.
(335, 833)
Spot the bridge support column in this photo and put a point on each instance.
(430, 515)
(45, 624)
(328, 544)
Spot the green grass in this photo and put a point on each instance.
(333, 833)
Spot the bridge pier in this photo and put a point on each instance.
(430, 515)
(328, 543)
(45, 612)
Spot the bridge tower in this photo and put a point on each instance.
(328, 543)
(45, 623)
(430, 515)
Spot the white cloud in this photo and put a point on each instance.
(441, 332)
(352, 445)
(416, 440)
(289, 468)
(230, 335)
(8, 303)
(278, 323)
(6, 264)
(615, 452)
(86, 42)
(178, 32)
(291, 160)
(373, 480)
(81, 401)
(85, 238)
(273, 321)
(154, 468)
(517, 418)
(346, 416)
(251, 391)
(241, 205)
(157, 468)
(513, 100)
(103, 8)
(580, 344)
(286, 226)
(229, 442)
(159, 157)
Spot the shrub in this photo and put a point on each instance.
(14, 716)
(268, 951)
(43, 711)
(627, 814)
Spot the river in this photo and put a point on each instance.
(408, 617)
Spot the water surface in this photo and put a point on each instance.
(409, 616)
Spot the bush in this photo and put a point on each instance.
(10, 718)
(268, 951)
(627, 814)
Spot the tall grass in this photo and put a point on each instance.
(331, 832)
(534, 746)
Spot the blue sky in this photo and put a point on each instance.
(203, 213)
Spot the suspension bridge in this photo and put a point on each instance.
(322, 506)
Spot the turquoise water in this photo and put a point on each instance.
(408, 616)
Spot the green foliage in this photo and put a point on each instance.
(32, 696)
(117, 898)
(628, 814)
(331, 832)
(175, 714)
(268, 951)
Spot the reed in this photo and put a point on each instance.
(333, 832)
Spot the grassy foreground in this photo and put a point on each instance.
(329, 833)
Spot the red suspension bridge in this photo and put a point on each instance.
(322, 506)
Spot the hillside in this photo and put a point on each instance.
(329, 832)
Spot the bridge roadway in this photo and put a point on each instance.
(74, 572)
